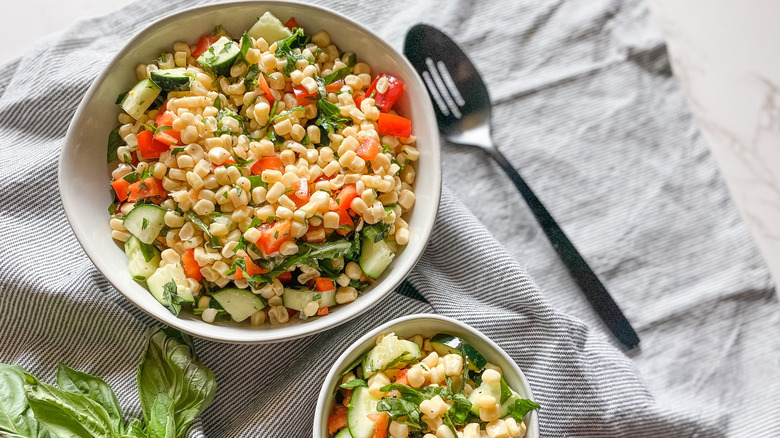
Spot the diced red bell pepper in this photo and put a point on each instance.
(149, 147)
(263, 84)
(301, 194)
(302, 95)
(386, 100)
(122, 188)
(368, 149)
(267, 163)
(204, 42)
(252, 268)
(358, 98)
(272, 236)
(169, 137)
(190, 265)
(165, 118)
(381, 422)
(148, 188)
(345, 196)
(322, 311)
(337, 419)
(390, 124)
(334, 86)
(291, 23)
(285, 277)
(401, 377)
(344, 219)
(323, 284)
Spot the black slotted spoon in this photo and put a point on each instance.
(463, 110)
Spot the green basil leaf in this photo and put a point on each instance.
(336, 75)
(16, 418)
(399, 407)
(521, 407)
(407, 392)
(506, 392)
(135, 430)
(162, 423)
(170, 367)
(113, 144)
(354, 383)
(67, 414)
(95, 388)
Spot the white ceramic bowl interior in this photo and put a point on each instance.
(426, 325)
(86, 192)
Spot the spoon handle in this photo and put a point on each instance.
(583, 275)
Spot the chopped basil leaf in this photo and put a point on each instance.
(113, 144)
(336, 75)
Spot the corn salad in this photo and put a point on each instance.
(261, 178)
(438, 387)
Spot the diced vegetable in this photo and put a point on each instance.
(122, 188)
(291, 24)
(191, 267)
(269, 28)
(174, 79)
(145, 222)
(386, 100)
(272, 236)
(267, 163)
(219, 57)
(204, 43)
(337, 419)
(163, 276)
(391, 352)
(390, 124)
(150, 189)
(239, 303)
(323, 284)
(368, 149)
(150, 147)
(142, 259)
(345, 196)
(140, 98)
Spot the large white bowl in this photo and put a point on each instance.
(426, 325)
(84, 175)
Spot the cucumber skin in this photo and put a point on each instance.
(368, 365)
(375, 257)
(296, 299)
(167, 83)
(445, 343)
(248, 304)
(269, 28)
(130, 103)
(215, 61)
(134, 222)
(137, 264)
(359, 426)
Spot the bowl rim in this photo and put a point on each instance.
(289, 332)
(325, 390)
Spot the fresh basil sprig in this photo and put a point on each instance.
(174, 388)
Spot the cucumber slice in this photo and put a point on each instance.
(137, 254)
(218, 58)
(269, 28)
(343, 433)
(162, 276)
(391, 352)
(140, 98)
(493, 389)
(239, 303)
(297, 299)
(375, 257)
(360, 406)
(445, 344)
(173, 79)
(145, 222)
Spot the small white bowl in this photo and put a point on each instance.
(84, 175)
(426, 325)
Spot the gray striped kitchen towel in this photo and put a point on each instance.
(55, 306)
